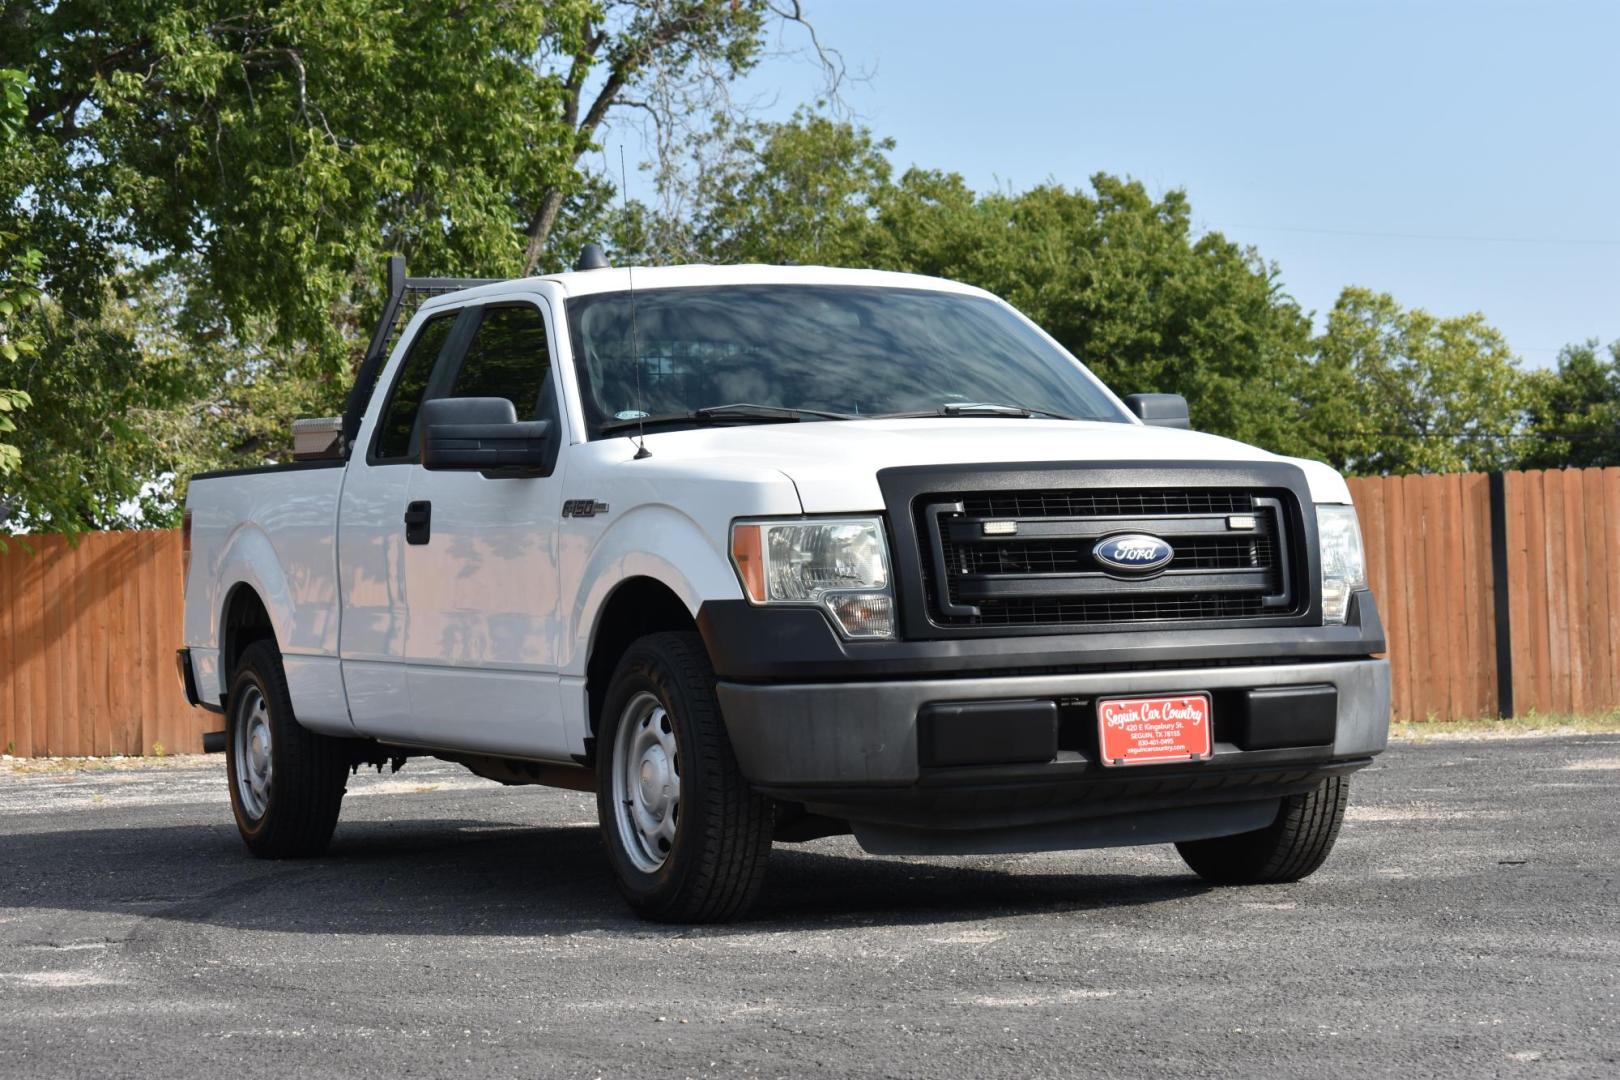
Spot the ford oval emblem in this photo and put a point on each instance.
(1133, 553)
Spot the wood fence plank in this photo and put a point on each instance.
(184, 731)
(18, 699)
(1437, 538)
(93, 640)
(1411, 590)
(58, 640)
(151, 718)
(1372, 497)
(136, 654)
(119, 634)
(1536, 613)
(10, 679)
(1398, 535)
(97, 586)
(1465, 682)
(81, 724)
(1611, 483)
(1564, 663)
(1477, 671)
(1485, 608)
(114, 562)
(1594, 613)
(1576, 570)
(34, 612)
(1389, 597)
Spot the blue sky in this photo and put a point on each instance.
(1461, 155)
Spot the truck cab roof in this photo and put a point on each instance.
(697, 275)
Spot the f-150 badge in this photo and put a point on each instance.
(583, 508)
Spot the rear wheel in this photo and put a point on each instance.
(1290, 848)
(687, 837)
(286, 781)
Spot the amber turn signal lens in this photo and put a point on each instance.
(747, 553)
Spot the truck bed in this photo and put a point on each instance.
(283, 518)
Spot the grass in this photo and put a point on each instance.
(1522, 727)
(62, 765)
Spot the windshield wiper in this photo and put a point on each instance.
(737, 410)
(976, 408)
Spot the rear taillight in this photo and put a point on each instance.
(185, 548)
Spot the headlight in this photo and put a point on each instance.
(1344, 567)
(840, 565)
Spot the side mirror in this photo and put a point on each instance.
(1160, 410)
(481, 434)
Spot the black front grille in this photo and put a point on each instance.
(1034, 565)
(1074, 557)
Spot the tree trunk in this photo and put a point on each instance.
(540, 230)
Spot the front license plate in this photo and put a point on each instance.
(1153, 730)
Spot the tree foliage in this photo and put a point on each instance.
(1574, 412)
(1397, 390)
(195, 199)
(263, 157)
(18, 268)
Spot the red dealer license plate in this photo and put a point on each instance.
(1153, 730)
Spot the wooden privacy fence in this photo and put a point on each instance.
(1499, 594)
(87, 641)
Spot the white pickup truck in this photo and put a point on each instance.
(773, 553)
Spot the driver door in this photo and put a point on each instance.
(480, 562)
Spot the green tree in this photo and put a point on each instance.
(1574, 411)
(263, 157)
(17, 270)
(807, 191)
(1398, 390)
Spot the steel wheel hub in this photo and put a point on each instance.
(646, 782)
(251, 749)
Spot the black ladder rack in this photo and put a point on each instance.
(400, 288)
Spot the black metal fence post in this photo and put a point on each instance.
(1499, 582)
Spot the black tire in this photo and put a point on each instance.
(1290, 848)
(305, 784)
(715, 865)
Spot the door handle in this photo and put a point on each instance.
(418, 522)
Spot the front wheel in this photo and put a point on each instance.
(286, 781)
(687, 837)
(1290, 848)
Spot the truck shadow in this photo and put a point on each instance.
(481, 877)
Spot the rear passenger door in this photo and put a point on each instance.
(481, 642)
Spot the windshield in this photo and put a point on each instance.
(859, 350)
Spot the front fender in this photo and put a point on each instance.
(658, 542)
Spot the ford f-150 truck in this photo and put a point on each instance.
(767, 554)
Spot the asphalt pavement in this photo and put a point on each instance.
(1466, 926)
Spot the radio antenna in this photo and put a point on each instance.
(635, 335)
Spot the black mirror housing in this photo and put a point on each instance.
(1160, 410)
(481, 434)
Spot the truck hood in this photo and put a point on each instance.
(835, 464)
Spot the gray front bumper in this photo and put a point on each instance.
(864, 734)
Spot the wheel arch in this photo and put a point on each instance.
(243, 619)
(637, 606)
